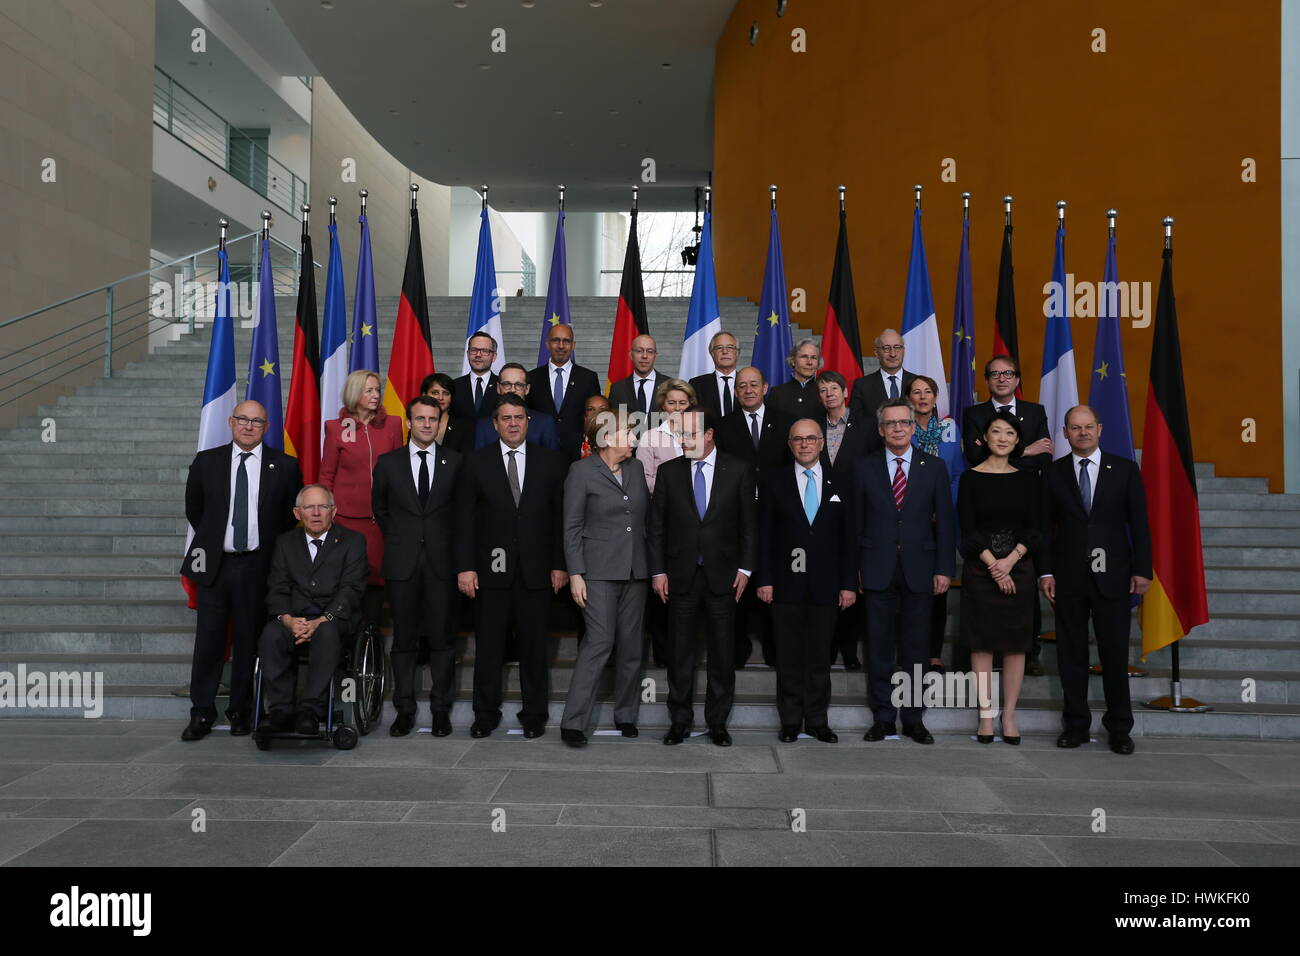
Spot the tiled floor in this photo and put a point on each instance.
(124, 793)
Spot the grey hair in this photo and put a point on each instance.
(789, 359)
(329, 495)
(895, 403)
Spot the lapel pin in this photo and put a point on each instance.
(271, 465)
(1108, 467)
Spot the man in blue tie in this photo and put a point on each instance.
(561, 386)
(807, 570)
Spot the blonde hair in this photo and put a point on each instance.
(674, 385)
(355, 384)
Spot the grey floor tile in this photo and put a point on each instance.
(697, 755)
(815, 848)
(307, 811)
(1286, 830)
(1217, 745)
(1104, 765)
(671, 818)
(1100, 850)
(1255, 854)
(1117, 827)
(91, 748)
(1283, 771)
(19, 836)
(1149, 799)
(427, 844)
(606, 787)
(329, 783)
(225, 749)
(848, 792)
(12, 771)
(165, 843)
(107, 808)
(71, 726)
(898, 821)
(385, 751)
(85, 780)
(477, 814)
(17, 806)
(911, 761)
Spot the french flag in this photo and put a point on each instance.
(920, 327)
(334, 336)
(485, 299)
(704, 318)
(1059, 390)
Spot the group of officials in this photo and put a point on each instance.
(810, 515)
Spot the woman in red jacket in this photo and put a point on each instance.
(353, 443)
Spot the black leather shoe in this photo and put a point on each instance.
(1121, 744)
(402, 725)
(574, 738)
(918, 733)
(478, 730)
(853, 665)
(1069, 741)
(720, 736)
(628, 730)
(534, 729)
(879, 731)
(241, 725)
(307, 724)
(1033, 667)
(676, 734)
(824, 734)
(788, 735)
(199, 727)
(441, 724)
(986, 738)
(278, 722)
(1008, 739)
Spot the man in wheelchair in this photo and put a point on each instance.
(318, 577)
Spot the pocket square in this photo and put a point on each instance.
(837, 497)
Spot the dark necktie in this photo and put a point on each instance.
(422, 486)
(900, 484)
(240, 520)
(753, 429)
(893, 386)
(1085, 484)
(1004, 408)
(558, 394)
(512, 475)
(478, 393)
(315, 555)
(726, 394)
(640, 396)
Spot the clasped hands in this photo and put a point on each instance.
(301, 628)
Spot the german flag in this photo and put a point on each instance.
(302, 434)
(1175, 603)
(630, 317)
(841, 342)
(1005, 340)
(411, 357)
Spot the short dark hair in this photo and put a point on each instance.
(709, 420)
(421, 400)
(437, 378)
(1002, 358)
(480, 334)
(934, 386)
(834, 377)
(512, 365)
(1015, 426)
(511, 399)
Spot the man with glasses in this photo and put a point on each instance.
(902, 508)
(716, 390)
(561, 387)
(238, 499)
(513, 380)
(474, 394)
(891, 381)
(637, 392)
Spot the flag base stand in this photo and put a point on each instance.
(1176, 703)
(1133, 670)
(1048, 636)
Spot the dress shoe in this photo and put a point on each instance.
(985, 738)
(918, 733)
(307, 724)
(534, 729)
(1033, 667)
(441, 723)
(480, 729)
(879, 731)
(788, 735)
(853, 665)
(1069, 741)
(278, 722)
(199, 727)
(402, 725)
(1008, 739)
(241, 725)
(720, 736)
(1121, 744)
(574, 738)
(627, 730)
(676, 734)
(824, 734)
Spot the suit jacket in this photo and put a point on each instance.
(333, 583)
(1117, 525)
(857, 443)
(919, 537)
(207, 505)
(830, 548)
(462, 397)
(1033, 422)
(866, 397)
(725, 537)
(623, 392)
(459, 436)
(408, 528)
(583, 383)
(605, 520)
(706, 392)
(541, 431)
(529, 536)
(734, 438)
(795, 400)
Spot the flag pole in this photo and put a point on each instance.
(221, 243)
(306, 217)
(415, 188)
(917, 190)
(635, 190)
(334, 201)
(363, 194)
(1060, 212)
(1110, 223)
(1006, 207)
(772, 189)
(266, 224)
(708, 199)
(965, 207)
(841, 191)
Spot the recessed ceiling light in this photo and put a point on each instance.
(528, 4)
(558, 112)
(485, 66)
(459, 4)
(666, 66)
(327, 4)
(595, 3)
(392, 112)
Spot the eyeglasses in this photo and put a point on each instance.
(645, 351)
(1004, 373)
(805, 439)
(316, 507)
(243, 422)
(475, 350)
(512, 386)
(725, 348)
(889, 348)
(897, 424)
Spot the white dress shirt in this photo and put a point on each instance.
(759, 412)
(520, 464)
(898, 377)
(710, 465)
(801, 480)
(651, 381)
(485, 378)
(413, 449)
(311, 552)
(551, 368)
(1094, 472)
(891, 466)
(253, 468)
(731, 383)
(1011, 409)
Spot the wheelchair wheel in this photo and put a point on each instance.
(345, 738)
(369, 670)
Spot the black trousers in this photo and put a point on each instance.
(850, 626)
(687, 602)
(753, 617)
(237, 597)
(422, 605)
(898, 628)
(804, 636)
(499, 611)
(279, 658)
(657, 626)
(938, 623)
(1111, 619)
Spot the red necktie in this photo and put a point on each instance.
(900, 484)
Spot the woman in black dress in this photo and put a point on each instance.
(998, 510)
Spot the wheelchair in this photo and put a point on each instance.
(355, 700)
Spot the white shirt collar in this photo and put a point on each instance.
(637, 377)
(1095, 458)
(307, 534)
(484, 376)
(816, 467)
(506, 449)
(415, 449)
(711, 459)
(758, 411)
(906, 456)
(718, 374)
(998, 403)
(255, 451)
(567, 366)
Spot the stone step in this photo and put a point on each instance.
(92, 506)
(99, 564)
(1249, 502)
(86, 473)
(1250, 537)
(1256, 578)
(1245, 657)
(92, 611)
(1243, 518)
(102, 585)
(61, 489)
(14, 542)
(1253, 557)
(1255, 601)
(75, 524)
(1232, 485)
(102, 447)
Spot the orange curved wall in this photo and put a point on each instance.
(1157, 125)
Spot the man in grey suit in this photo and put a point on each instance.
(606, 502)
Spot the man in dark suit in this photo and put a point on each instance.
(702, 548)
(513, 380)
(414, 500)
(891, 380)
(807, 571)
(904, 522)
(798, 397)
(238, 499)
(716, 390)
(755, 433)
(510, 555)
(318, 577)
(561, 386)
(637, 392)
(474, 394)
(1096, 556)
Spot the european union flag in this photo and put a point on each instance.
(557, 293)
(365, 325)
(264, 356)
(962, 393)
(1108, 388)
(772, 339)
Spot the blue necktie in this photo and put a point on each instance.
(810, 495)
(558, 394)
(701, 494)
(240, 519)
(1085, 484)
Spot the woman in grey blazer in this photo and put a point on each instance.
(605, 509)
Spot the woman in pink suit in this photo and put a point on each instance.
(658, 445)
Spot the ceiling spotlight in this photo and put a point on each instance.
(459, 4)
(753, 33)
(780, 8)
(666, 66)
(485, 66)
(613, 112)
(528, 4)
(595, 3)
(327, 4)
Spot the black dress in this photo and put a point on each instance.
(996, 512)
